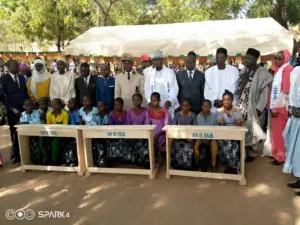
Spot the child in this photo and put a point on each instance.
(44, 108)
(207, 118)
(30, 116)
(74, 116)
(118, 116)
(87, 112)
(57, 115)
(136, 115)
(101, 117)
(185, 116)
(157, 116)
(229, 115)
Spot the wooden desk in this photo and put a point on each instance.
(26, 131)
(206, 132)
(117, 132)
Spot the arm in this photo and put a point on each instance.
(142, 89)
(52, 88)
(239, 118)
(71, 90)
(263, 99)
(128, 120)
(24, 118)
(117, 88)
(208, 92)
(220, 119)
(105, 120)
(202, 87)
(25, 89)
(3, 96)
(65, 118)
(286, 79)
(36, 118)
(234, 79)
(175, 120)
(48, 118)
(147, 89)
(29, 91)
(174, 89)
(77, 91)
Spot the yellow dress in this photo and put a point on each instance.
(62, 118)
(42, 89)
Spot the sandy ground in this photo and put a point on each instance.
(125, 199)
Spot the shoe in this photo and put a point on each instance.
(249, 159)
(214, 169)
(294, 185)
(276, 163)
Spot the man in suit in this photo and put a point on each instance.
(13, 96)
(191, 84)
(85, 84)
(128, 82)
(106, 88)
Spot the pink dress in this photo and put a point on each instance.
(279, 122)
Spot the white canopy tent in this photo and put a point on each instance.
(204, 38)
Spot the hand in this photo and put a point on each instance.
(258, 113)
(218, 103)
(168, 104)
(17, 112)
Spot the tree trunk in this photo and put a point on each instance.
(58, 42)
(278, 15)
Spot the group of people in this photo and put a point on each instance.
(222, 95)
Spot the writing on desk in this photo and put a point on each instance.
(116, 134)
(48, 132)
(203, 135)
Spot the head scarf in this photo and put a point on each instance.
(38, 76)
(286, 55)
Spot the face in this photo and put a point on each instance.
(158, 63)
(56, 106)
(227, 101)
(221, 59)
(127, 65)
(84, 71)
(250, 61)
(155, 102)
(28, 107)
(190, 63)
(13, 67)
(279, 59)
(71, 104)
(206, 107)
(101, 107)
(43, 105)
(105, 70)
(61, 67)
(146, 64)
(186, 107)
(118, 106)
(137, 101)
(39, 67)
(86, 101)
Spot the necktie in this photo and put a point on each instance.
(128, 75)
(190, 76)
(16, 81)
(86, 81)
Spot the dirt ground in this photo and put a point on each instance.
(136, 200)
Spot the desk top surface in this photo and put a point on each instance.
(193, 128)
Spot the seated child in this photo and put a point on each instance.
(44, 108)
(118, 116)
(230, 115)
(30, 116)
(87, 112)
(157, 116)
(185, 116)
(206, 118)
(136, 115)
(74, 116)
(101, 117)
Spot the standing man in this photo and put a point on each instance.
(106, 88)
(220, 78)
(146, 63)
(161, 79)
(128, 82)
(13, 96)
(252, 96)
(191, 84)
(85, 84)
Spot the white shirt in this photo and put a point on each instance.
(13, 77)
(160, 87)
(193, 72)
(87, 80)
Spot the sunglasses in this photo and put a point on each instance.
(277, 58)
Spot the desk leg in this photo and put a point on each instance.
(242, 159)
(168, 156)
(88, 153)
(80, 153)
(24, 151)
(153, 170)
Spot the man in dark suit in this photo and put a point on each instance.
(191, 84)
(85, 84)
(13, 96)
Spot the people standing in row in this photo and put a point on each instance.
(191, 84)
(161, 79)
(220, 78)
(128, 82)
(38, 84)
(62, 83)
(146, 63)
(251, 96)
(85, 84)
(13, 97)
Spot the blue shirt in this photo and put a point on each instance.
(88, 118)
(98, 120)
(105, 92)
(74, 117)
(32, 118)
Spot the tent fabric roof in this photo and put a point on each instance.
(264, 34)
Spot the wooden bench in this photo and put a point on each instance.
(117, 132)
(206, 132)
(27, 131)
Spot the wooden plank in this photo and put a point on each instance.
(117, 128)
(88, 152)
(205, 175)
(168, 155)
(118, 171)
(151, 150)
(48, 131)
(116, 133)
(242, 160)
(24, 150)
(50, 168)
(80, 153)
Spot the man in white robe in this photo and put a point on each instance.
(62, 84)
(163, 80)
(220, 78)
